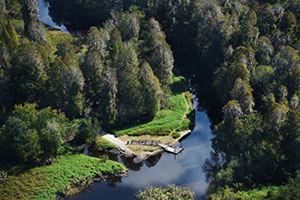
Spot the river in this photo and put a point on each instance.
(45, 18)
(184, 169)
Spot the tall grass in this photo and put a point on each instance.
(47, 181)
(166, 120)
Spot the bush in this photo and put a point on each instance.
(33, 136)
(175, 135)
(171, 192)
(102, 144)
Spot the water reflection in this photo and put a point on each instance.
(45, 18)
(185, 169)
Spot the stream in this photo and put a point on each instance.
(184, 169)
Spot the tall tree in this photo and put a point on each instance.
(160, 56)
(34, 30)
(151, 90)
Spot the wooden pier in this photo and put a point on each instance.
(171, 149)
(157, 143)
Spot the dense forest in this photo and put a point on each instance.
(105, 75)
(242, 59)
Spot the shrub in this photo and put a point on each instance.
(102, 144)
(171, 192)
(175, 135)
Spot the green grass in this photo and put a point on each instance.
(46, 181)
(166, 120)
(102, 144)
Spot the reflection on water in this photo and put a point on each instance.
(184, 169)
(45, 18)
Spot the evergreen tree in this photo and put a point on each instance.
(160, 56)
(33, 29)
(151, 90)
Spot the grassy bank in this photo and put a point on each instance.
(67, 173)
(102, 144)
(168, 120)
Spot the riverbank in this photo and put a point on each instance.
(68, 175)
(168, 127)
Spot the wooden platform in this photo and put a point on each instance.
(171, 149)
(157, 143)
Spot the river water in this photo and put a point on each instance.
(45, 18)
(184, 169)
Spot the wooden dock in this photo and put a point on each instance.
(171, 149)
(157, 143)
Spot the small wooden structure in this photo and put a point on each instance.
(171, 149)
(157, 143)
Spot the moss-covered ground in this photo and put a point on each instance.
(47, 181)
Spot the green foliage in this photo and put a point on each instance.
(32, 136)
(66, 84)
(151, 90)
(160, 56)
(165, 120)
(90, 131)
(11, 36)
(27, 74)
(175, 135)
(288, 191)
(171, 192)
(262, 79)
(48, 181)
(227, 193)
(54, 38)
(102, 144)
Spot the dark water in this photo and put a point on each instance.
(184, 169)
(45, 18)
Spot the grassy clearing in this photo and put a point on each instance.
(47, 181)
(167, 120)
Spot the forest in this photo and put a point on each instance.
(116, 68)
